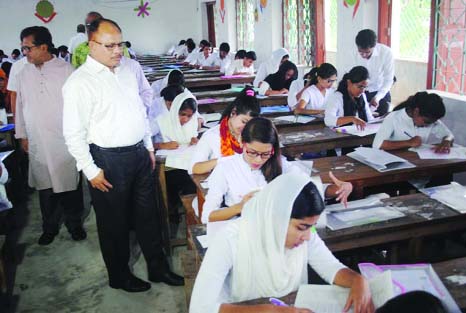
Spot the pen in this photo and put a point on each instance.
(408, 134)
(277, 302)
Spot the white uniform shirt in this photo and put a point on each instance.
(203, 61)
(314, 99)
(398, 123)
(207, 148)
(14, 71)
(233, 178)
(191, 57)
(334, 109)
(237, 67)
(295, 87)
(214, 275)
(103, 108)
(381, 67)
(75, 41)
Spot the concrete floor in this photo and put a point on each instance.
(69, 276)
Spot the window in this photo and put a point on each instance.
(331, 19)
(245, 24)
(449, 47)
(297, 30)
(410, 29)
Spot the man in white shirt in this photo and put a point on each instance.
(39, 122)
(219, 61)
(77, 39)
(107, 131)
(378, 59)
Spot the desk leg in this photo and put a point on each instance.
(415, 248)
(163, 207)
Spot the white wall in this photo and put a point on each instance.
(226, 30)
(169, 21)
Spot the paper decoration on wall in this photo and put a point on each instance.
(351, 3)
(143, 9)
(222, 10)
(263, 5)
(45, 11)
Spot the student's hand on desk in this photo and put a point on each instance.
(360, 124)
(99, 182)
(194, 141)
(360, 297)
(415, 142)
(284, 91)
(344, 189)
(443, 147)
(25, 145)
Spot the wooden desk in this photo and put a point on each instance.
(362, 176)
(219, 104)
(217, 81)
(216, 93)
(297, 141)
(161, 74)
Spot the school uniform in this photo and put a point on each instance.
(231, 180)
(381, 67)
(334, 108)
(181, 51)
(191, 57)
(237, 67)
(398, 124)
(208, 147)
(201, 60)
(247, 260)
(295, 87)
(270, 66)
(215, 60)
(314, 99)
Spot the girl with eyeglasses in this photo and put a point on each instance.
(237, 178)
(414, 122)
(348, 105)
(318, 88)
(267, 251)
(223, 139)
(279, 82)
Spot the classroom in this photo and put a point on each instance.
(216, 156)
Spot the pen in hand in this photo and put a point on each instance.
(407, 134)
(277, 302)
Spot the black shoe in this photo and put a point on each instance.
(132, 284)
(78, 234)
(46, 239)
(166, 277)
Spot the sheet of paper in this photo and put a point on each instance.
(203, 240)
(426, 152)
(353, 130)
(180, 151)
(211, 117)
(211, 124)
(5, 154)
(362, 216)
(369, 201)
(296, 119)
(452, 195)
(379, 160)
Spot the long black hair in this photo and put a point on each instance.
(352, 106)
(190, 104)
(413, 302)
(245, 103)
(262, 130)
(176, 77)
(325, 71)
(430, 105)
(170, 92)
(277, 81)
(308, 203)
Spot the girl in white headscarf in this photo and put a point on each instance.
(271, 65)
(174, 77)
(266, 253)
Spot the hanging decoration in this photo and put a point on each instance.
(222, 10)
(263, 5)
(143, 9)
(355, 3)
(45, 11)
(256, 14)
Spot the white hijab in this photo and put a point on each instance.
(263, 266)
(273, 63)
(170, 126)
(159, 84)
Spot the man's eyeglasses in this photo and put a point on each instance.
(111, 46)
(264, 155)
(27, 48)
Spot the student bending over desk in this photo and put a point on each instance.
(222, 140)
(348, 104)
(271, 65)
(413, 122)
(242, 66)
(174, 77)
(237, 178)
(279, 82)
(266, 253)
(313, 97)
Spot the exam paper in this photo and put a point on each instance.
(293, 119)
(426, 152)
(370, 129)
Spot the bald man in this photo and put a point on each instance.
(107, 132)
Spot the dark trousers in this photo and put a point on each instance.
(130, 204)
(383, 103)
(178, 182)
(55, 206)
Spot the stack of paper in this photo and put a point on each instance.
(275, 109)
(178, 158)
(379, 160)
(361, 216)
(370, 129)
(427, 152)
(453, 195)
(302, 119)
(331, 299)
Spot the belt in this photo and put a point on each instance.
(119, 149)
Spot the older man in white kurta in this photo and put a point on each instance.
(39, 119)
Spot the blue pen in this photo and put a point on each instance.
(408, 134)
(277, 302)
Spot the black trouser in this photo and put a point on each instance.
(383, 103)
(72, 208)
(178, 182)
(130, 204)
